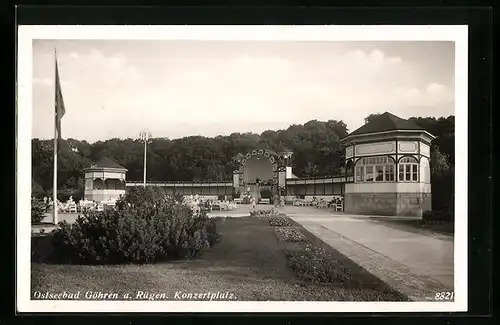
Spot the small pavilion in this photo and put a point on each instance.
(105, 181)
(390, 160)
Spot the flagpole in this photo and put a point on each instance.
(145, 136)
(54, 188)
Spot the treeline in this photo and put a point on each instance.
(315, 144)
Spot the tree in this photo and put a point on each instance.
(315, 144)
(310, 169)
(439, 162)
(370, 117)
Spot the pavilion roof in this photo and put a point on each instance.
(386, 122)
(106, 162)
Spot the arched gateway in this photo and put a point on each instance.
(261, 171)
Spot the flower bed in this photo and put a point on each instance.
(279, 221)
(289, 234)
(263, 213)
(314, 264)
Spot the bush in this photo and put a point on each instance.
(37, 210)
(143, 197)
(213, 235)
(437, 216)
(279, 221)
(314, 264)
(289, 234)
(143, 232)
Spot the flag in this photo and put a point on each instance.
(59, 104)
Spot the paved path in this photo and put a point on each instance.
(414, 263)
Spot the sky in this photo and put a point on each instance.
(116, 88)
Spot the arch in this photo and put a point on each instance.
(407, 159)
(349, 166)
(258, 170)
(375, 169)
(99, 184)
(113, 184)
(373, 160)
(241, 159)
(408, 169)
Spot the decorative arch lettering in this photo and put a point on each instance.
(258, 152)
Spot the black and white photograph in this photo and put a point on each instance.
(242, 168)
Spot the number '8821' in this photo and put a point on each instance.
(444, 295)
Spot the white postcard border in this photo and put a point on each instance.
(28, 33)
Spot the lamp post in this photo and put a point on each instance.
(285, 157)
(145, 136)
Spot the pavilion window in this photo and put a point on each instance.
(360, 173)
(369, 173)
(375, 169)
(389, 173)
(414, 173)
(408, 169)
(379, 172)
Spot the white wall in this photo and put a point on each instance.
(103, 195)
(117, 175)
(236, 180)
(387, 188)
(349, 152)
(425, 149)
(425, 171)
(370, 149)
(408, 146)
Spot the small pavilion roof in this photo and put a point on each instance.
(106, 162)
(386, 122)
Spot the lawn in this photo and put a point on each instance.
(249, 263)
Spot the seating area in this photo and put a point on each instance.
(336, 202)
(222, 206)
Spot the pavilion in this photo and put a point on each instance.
(390, 161)
(105, 181)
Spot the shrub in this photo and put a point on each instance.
(213, 235)
(289, 234)
(437, 216)
(314, 264)
(145, 232)
(37, 209)
(279, 221)
(140, 197)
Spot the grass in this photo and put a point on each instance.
(249, 263)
